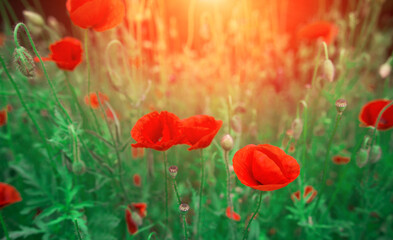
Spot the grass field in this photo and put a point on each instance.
(315, 102)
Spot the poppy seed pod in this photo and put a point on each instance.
(375, 153)
(328, 70)
(227, 142)
(173, 171)
(184, 207)
(297, 128)
(24, 61)
(361, 159)
(341, 104)
(79, 167)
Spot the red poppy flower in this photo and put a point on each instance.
(140, 208)
(132, 227)
(8, 195)
(232, 215)
(92, 99)
(137, 152)
(309, 194)
(341, 160)
(322, 29)
(199, 131)
(66, 53)
(159, 131)
(265, 167)
(100, 15)
(137, 180)
(369, 114)
(3, 117)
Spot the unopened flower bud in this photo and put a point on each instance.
(184, 207)
(375, 153)
(341, 104)
(33, 18)
(173, 171)
(78, 167)
(24, 61)
(227, 142)
(328, 70)
(384, 70)
(361, 159)
(297, 128)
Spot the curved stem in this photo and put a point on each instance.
(201, 190)
(39, 130)
(42, 64)
(4, 227)
(245, 233)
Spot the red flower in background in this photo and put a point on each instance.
(265, 167)
(111, 114)
(3, 117)
(325, 30)
(309, 194)
(159, 131)
(369, 114)
(137, 152)
(8, 195)
(92, 99)
(137, 180)
(199, 131)
(132, 227)
(232, 215)
(140, 208)
(66, 53)
(100, 15)
(341, 160)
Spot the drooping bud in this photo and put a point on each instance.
(328, 70)
(173, 171)
(227, 142)
(24, 61)
(78, 167)
(375, 153)
(33, 18)
(384, 70)
(184, 207)
(297, 128)
(341, 104)
(361, 158)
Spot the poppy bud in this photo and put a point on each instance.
(341, 104)
(361, 159)
(375, 154)
(33, 18)
(24, 61)
(184, 207)
(384, 70)
(227, 142)
(173, 171)
(297, 128)
(328, 70)
(78, 167)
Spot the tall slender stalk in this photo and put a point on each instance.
(245, 233)
(166, 187)
(4, 227)
(201, 190)
(78, 234)
(185, 227)
(229, 201)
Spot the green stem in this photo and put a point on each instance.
(78, 234)
(4, 227)
(185, 227)
(176, 191)
(326, 166)
(229, 201)
(42, 64)
(73, 94)
(201, 190)
(166, 188)
(39, 130)
(245, 233)
(4, 16)
(11, 11)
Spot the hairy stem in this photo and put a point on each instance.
(245, 233)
